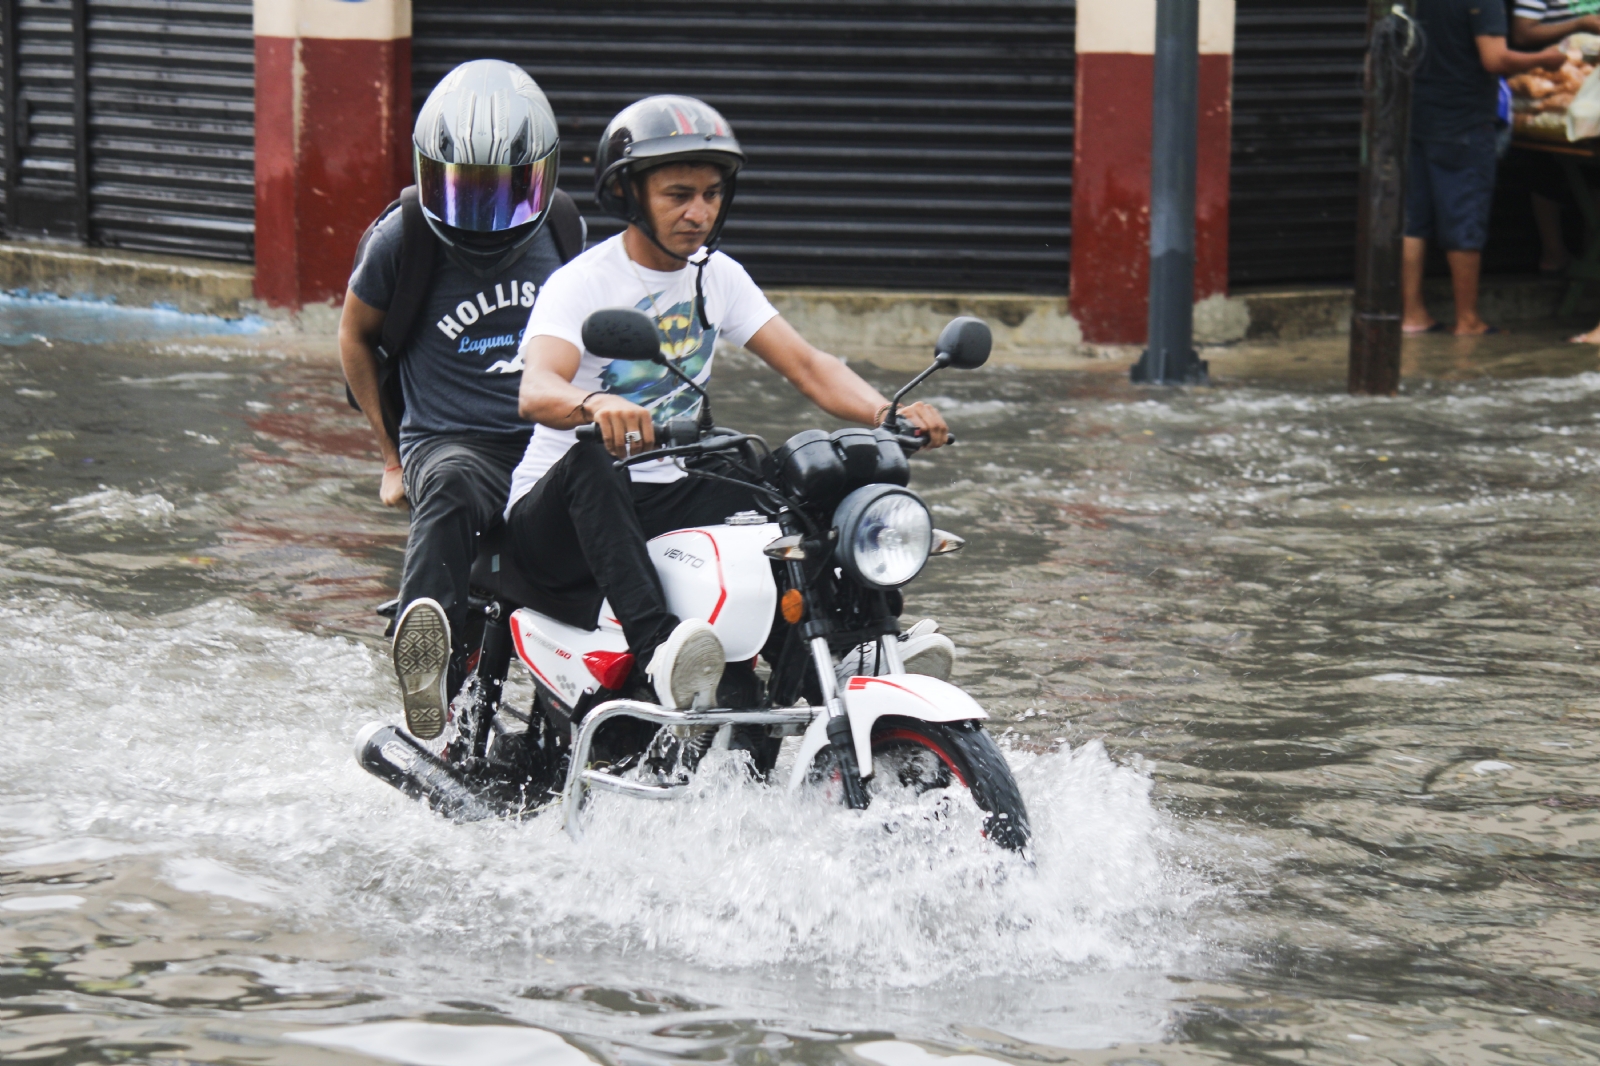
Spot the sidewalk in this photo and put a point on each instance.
(890, 328)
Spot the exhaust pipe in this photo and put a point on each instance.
(395, 756)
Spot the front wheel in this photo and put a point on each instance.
(924, 756)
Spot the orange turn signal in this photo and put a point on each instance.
(793, 606)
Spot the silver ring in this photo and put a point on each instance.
(633, 436)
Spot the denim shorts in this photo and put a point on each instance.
(1449, 189)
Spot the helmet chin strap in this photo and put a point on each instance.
(698, 260)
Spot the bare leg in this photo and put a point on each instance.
(1592, 337)
(1415, 317)
(1464, 268)
(1553, 255)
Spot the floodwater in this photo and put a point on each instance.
(1300, 690)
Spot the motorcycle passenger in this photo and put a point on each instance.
(444, 405)
(667, 166)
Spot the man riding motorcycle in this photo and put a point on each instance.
(453, 268)
(667, 166)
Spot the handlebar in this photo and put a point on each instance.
(911, 439)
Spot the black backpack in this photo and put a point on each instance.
(418, 248)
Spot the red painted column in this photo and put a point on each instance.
(1111, 164)
(333, 137)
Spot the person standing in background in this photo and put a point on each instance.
(1450, 169)
(1539, 24)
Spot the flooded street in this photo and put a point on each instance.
(1300, 690)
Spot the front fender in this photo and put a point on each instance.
(866, 699)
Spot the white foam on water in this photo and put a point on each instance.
(901, 1053)
(42, 903)
(222, 738)
(1431, 680)
(213, 878)
(431, 1044)
(85, 849)
(114, 507)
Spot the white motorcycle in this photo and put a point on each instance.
(811, 583)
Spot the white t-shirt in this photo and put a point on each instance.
(604, 277)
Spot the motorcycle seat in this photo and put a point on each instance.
(495, 571)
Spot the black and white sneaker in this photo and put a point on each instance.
(421, 653)
(687, 666)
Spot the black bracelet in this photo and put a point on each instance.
(583, 404)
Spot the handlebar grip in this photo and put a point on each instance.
(917, 439)
(589, 432)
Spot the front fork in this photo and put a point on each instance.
(839, 735)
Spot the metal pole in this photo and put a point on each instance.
(1170, 357)
(1385, 129)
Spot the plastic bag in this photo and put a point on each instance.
(1583, 114)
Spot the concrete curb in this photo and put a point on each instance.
(133, 279)
(1030, 330)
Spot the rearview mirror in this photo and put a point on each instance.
(964, 343)
(623, 333)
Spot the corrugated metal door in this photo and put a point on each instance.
(41, 59)
(891, 144)
(172, 126)
(1296, 140)
(132, 123)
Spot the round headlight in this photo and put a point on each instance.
(885, 535)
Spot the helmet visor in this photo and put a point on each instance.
(485, 198)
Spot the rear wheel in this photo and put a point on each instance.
(924, 756)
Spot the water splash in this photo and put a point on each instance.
(222, 738)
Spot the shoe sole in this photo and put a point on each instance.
(421, 659)
(697, 667)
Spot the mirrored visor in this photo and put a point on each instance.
(485, 198)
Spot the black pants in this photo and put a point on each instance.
(579, 535)
(457, 486)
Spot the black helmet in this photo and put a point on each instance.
(487, 156)
(653, 132)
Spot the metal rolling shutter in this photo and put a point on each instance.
(892, 144)
(132, 123)
(43, 118)
(1296, 140)
(172, 126)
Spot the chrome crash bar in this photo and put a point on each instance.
(581, 779)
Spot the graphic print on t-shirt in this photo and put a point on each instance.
(457, 326)
(653, 387)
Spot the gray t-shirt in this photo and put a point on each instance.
(462, 370)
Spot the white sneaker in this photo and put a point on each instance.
(923, 650)
(687, 666)
(421, 653)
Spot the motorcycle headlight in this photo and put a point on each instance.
(885, 535)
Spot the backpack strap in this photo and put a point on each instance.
(418, 246)
(566, 226)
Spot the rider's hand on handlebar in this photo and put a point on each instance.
(928, 420)
(618, 417)
(392, 489)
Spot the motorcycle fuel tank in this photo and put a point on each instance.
(715, 573)
(718, 573)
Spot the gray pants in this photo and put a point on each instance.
(457, 486)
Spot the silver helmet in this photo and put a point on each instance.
(487, 155)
